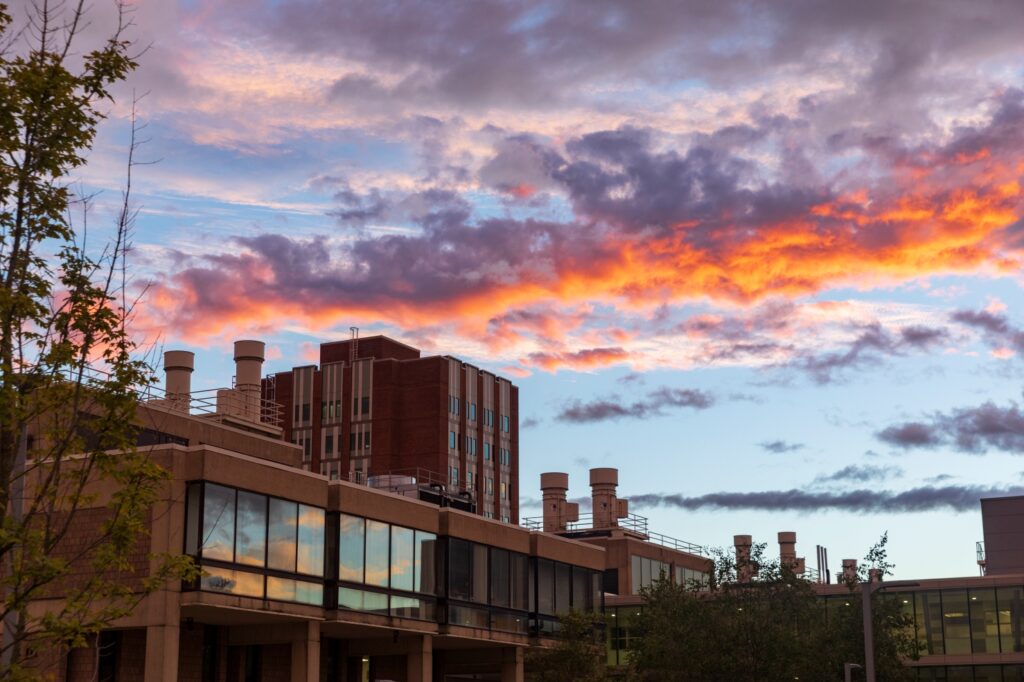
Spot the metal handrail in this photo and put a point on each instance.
(633, 523)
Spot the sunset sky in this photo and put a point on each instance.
(764, 258)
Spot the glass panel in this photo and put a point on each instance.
(635, 574)
(225, 580)
(459, 569)
(563, 585)
(545, 587)
(424, 579)
(378, 542)
(218, 523)
(284, 517)
(284, 589)
(311, 540)
(580, 589)
(251, 529)
(956, 622)
(960, 673)
(402, 554)
(984, 622)
(510, 622)
(929, 622)
(411, 607)
(1010, 609)
(192, 520)
(519, 575)
(988, 673)
(469, 617)
(350, 548)
(479, 573)
(358, 600)
(499, 577)
(1013, 673)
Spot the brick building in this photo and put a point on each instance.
(376, 410)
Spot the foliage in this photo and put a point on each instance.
(772, 627)
(579, 653)
(68, 365)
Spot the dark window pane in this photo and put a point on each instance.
(311, 540)
(546, 587)
(499, 577)
(929, 622)
(218, 523)
(1010, 609)
(563, 585)
(459, 569)
(479, 573)
(378, 543)
(956, 622)
(350, 548)
(283, 531)
(251, 531)
(424, 579)
(411, 607)
(519, 575)
(984, 621)
(581, 599)
(192, 520)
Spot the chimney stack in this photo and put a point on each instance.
(744, 567)
(178, 366)
(248, 372)
(849, 570)
(607, 508)
(787, 553)
(557, 511)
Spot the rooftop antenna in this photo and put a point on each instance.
(352, 347)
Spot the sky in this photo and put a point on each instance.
(764, 258)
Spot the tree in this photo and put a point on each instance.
(772, 627)
(579, 653)
(69, 369)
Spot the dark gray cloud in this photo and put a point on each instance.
(529, 423)
(862, 501)
(973, 430)
(995, 327)
(860, 473)
(780, 447)
(868, 349)
(655, 404)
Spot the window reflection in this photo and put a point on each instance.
(282, 535)
(218, 523)
(242, 583)
(311, 541)
(402, 555)
(378, 542)
(350, 548)
(251, 530)
(1010, 608)
(425, 562)
(984, 621)
(287, 589)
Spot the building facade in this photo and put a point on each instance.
(374, 410)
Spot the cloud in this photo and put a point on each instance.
(862, 501)
(780, 447)
(996, 328)
(860, 474)
(588, 358)
(868, 348)
(529, 423)
(973, 430)
(654, 405)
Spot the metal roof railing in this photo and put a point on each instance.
(633, 523)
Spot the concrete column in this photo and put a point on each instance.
(512, 667)
(162, 653)
(419, 661)
(306, 654)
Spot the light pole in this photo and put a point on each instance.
(866, 590)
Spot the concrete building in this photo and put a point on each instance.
(309, 579)
(374, 409)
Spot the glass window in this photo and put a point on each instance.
(956, 622)
(311, 540)
(546, 587)
(350, 548)
(242, 583)
(1010, 608)
(284, 518)
(411, 607)
(459, 569)
(563, 585)
(378, 542)
(192, 520)
(402, 557)
(468, 616)
(988, 673)
(251, 529)
(499, 577)
(929, 622)
(285, 589)
(984, 621)
(635, 574)
(479, 573)
(424, 579)
(519, 575)
(581, 598)
(360, 600)
(218, 523)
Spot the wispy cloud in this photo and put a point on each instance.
(655, 404)
(860, 473)
(780, 447)
(973, 430)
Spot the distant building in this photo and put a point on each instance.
(375, 411)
